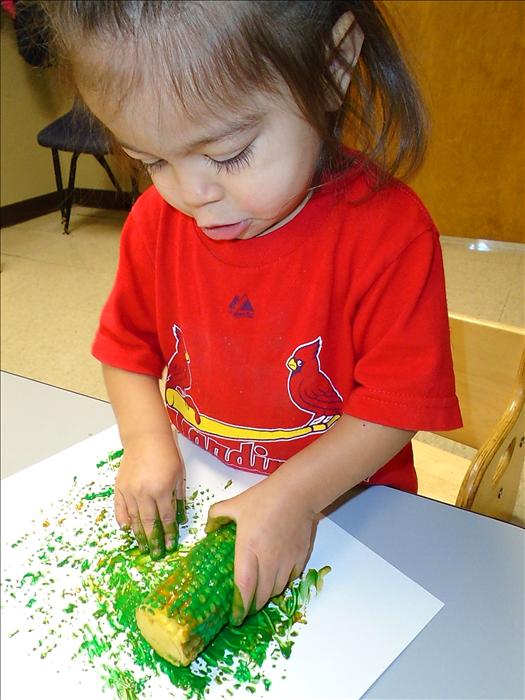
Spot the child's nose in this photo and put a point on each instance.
(198, 189)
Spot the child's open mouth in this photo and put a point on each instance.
(228, 232)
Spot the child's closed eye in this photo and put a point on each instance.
(235, 163)
(152, 166)
(229, 165)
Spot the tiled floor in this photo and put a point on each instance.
(53, 287)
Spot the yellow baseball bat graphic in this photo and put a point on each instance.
(236, 432)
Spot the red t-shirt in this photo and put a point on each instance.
(268, 341)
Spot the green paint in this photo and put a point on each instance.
(236, 654)
(102, 494)
(182, 516)
(92, 644)
(31, 577)
(123, 682)
(112, 457)
(156, 541)
(228, 484)
(142, 540)
(237, 613)
(109, 578)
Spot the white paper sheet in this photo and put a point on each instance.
(365, 616)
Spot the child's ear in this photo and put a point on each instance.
(348, 39)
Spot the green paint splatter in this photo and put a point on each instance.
(113, 459)
(107, 577)
(123, 682)
(101, 494)
(31, 577)
(93, 645)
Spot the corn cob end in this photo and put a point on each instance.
(167, 636)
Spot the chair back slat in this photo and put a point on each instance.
(491, 483)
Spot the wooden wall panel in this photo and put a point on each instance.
(468, 57)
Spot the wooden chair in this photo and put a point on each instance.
(492, 398)
(491, 483)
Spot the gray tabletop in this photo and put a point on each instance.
(474, 648)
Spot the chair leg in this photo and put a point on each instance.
(103, 162)
(70, 191)
(58, 180)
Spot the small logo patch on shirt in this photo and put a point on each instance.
(241, 307)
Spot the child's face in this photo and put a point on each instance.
(238, 175)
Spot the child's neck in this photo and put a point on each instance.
(288, 218)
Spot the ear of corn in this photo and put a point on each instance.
(190, 607)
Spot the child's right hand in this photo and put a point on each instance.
(148, 488)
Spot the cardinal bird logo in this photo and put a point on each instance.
(179, 374)
(309, 387)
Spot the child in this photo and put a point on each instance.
(293, 292)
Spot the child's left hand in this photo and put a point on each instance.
(275, 533)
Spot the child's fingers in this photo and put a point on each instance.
(121, 511)
(180, 490)
(168, 517)
(216, 517)
(152, 527)
(182, 516)
(283, 578)
(295, 573)
(266, 579)
(179, 502)
(246, 573)
(180, 484)
(136, 524)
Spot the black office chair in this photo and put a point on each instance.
(77, 132)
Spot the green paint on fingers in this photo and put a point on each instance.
(156, 542)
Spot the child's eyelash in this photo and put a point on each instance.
(239, 161)
(151, 167)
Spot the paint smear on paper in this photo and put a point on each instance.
(92, 615)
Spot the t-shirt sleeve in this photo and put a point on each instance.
(127, 334)
(403, 372)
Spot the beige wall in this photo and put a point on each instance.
(30, 99)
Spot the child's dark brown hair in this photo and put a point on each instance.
(212, 54)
